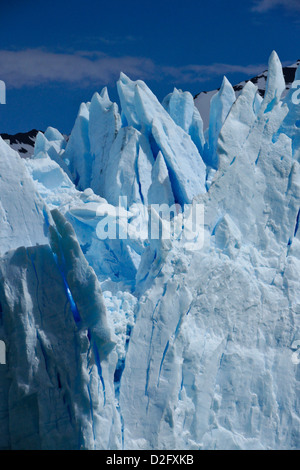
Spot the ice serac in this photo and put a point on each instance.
(104, 124)
(275, 84)
(53, 395)
(53, 135)
(129, 168)
(52, 183)
(196, 131)
(264, 172)
(187, 344)
(220, 106)
(81, 280)
(111, 259)
(53, 144)
(90, 157)
(221, 371)
(160, 189)
(22, 210)
(77, 154)
(291, 123)
(180, 105)
(143, 111)
(237, 126)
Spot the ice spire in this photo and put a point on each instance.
(180, 105)
(143, 111)
(237, 125)
(104, 124)
(220, 106)
(275, 84)
(77, 152)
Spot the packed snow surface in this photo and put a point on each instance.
(142, 342)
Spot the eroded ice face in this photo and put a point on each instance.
(139, 342)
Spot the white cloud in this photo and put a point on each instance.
(201, 73)
(33, 67)
(262, 6)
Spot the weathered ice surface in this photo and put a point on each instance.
(140, 342)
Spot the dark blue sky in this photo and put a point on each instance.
(53, 55)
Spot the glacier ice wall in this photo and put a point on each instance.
(54, 393)
(141, 343)
(18, 198)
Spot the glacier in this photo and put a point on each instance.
(141, 342)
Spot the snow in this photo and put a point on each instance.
(143, 342)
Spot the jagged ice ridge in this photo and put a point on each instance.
(143, 343)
